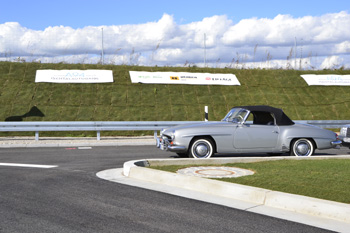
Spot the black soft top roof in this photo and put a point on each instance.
(280, 116)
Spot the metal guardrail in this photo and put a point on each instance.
(99, 126)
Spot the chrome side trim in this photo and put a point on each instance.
(201, 134)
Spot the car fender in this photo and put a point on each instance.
(321, 137)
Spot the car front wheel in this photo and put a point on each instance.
(302, 147)
(201, 149)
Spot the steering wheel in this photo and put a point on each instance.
(238, 118)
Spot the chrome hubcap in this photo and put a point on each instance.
(302, 149)
(202, 150)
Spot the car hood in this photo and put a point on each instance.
(205, 124)
(208, 126)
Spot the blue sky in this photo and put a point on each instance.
(39, 14)
(308, 34)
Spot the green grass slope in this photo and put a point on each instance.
(124, 101)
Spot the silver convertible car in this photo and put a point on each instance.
(247, 129)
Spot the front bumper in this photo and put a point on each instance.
(345, 141)
(163, 143)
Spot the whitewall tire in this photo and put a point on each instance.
(302, 147)
(201, 148)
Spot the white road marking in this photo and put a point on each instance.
(84, 148)
(27, 165)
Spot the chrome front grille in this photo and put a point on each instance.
(165, 142)
(347, 132)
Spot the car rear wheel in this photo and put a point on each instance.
(201, 148)
(302, 147)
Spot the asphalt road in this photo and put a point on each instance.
(70, 198)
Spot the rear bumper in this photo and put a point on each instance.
(336, 143)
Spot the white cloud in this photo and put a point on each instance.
(331, 62)
(212, 27)
(343, 47)
(283, 29)
(263, 42)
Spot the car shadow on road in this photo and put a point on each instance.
(247, 155)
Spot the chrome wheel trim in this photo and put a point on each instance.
(303, 147)
(202, 149)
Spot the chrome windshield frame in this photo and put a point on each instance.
(234, 114)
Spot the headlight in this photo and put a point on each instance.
(343, 131)
(173, 135)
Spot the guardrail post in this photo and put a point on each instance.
(36, 135)
(98, 135)
(206, 113)
(155, 133)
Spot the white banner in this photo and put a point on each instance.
(326, 79)
(74, 76)
(183, 78)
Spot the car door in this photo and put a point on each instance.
(251, 136)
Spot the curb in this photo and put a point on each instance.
(296, 203)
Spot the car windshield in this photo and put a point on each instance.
(236, 115)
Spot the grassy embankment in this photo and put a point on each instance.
(325, 179)
(124, 101)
